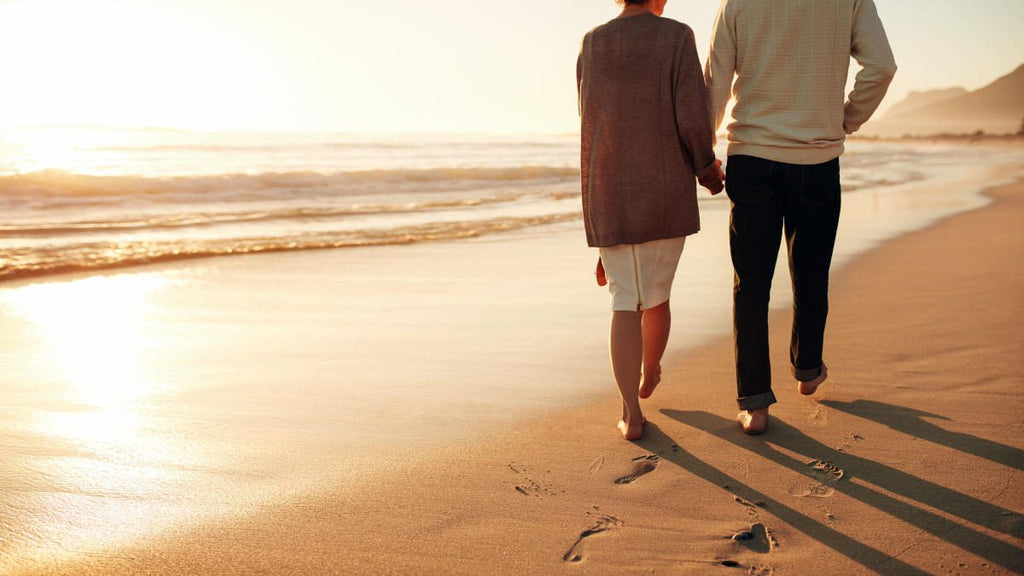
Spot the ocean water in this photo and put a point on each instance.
(113, 199)
(92, 199)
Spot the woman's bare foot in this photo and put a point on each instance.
(650, 381)
(627, 426)
(753, 422)
(633, 429)
(810, 387)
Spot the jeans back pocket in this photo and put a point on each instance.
(820, 183)
(748, 179)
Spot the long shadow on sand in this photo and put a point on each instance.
(912, 422)
(884, 477)
(656, 441)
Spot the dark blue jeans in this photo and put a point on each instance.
(768, 199)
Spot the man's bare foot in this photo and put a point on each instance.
(753, 422)
(810, 387)
(632, 430)
(651, 379)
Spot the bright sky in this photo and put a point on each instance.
(398, 66)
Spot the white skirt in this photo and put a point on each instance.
(640, 275)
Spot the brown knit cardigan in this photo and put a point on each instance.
(646, 131)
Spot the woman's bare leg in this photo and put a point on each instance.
(656, 323)
(625, 345)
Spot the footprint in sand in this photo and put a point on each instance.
(641, 465)
(603, 524)
(530, 486)
(828, 475)
(816, 413)
(812, 491)
(758, 538)
(827, 469)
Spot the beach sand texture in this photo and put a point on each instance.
(905, 462)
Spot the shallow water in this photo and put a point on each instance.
(91, 200)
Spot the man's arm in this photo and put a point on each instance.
(721, 66)
(869, 46)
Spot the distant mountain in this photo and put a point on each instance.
(996, 109)
(916, 100)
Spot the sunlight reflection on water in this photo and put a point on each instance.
(95, 328)
(94, 335)
(110, 434)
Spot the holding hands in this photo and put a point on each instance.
(713, 177)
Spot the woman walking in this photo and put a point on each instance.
(646, 133)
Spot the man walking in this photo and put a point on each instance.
(790, 61)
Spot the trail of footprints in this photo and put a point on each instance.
(644, 464)
(758, 538)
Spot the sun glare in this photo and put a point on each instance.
(119, 64)
(96, 333)
(31, 150)
(104, 455)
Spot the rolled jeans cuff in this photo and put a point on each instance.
(757, 401)
(806, 375)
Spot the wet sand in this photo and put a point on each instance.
(904, 462)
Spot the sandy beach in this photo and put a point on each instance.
(503, 460)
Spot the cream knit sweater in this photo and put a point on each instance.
(790, 59)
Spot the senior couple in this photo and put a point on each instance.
(648, 120)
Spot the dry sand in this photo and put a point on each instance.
(905, 462)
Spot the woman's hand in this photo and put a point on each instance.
(713, 177)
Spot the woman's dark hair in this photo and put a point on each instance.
(624, 2)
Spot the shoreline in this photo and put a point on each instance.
(71, 260)
(546, 475)
(982, 138)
